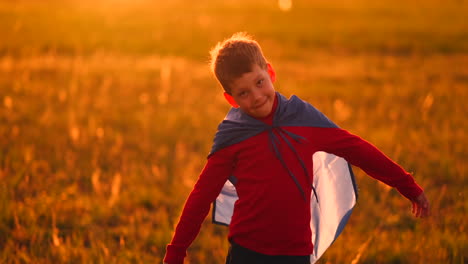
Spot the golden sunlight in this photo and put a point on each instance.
(342, 111)
(100, 132)
(285, 5)
(8, 102)
(74, 133)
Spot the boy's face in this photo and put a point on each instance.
(254, 92)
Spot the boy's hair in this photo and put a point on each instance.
(234, 57)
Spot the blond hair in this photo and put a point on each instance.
(235, 56)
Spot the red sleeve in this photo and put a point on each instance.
(366, 156)
(216, 172)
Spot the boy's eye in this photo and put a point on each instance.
(260, 82)
(243, 93)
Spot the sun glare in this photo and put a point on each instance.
(285, 5)
(8, 102)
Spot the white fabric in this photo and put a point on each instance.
(225, 204)
(335, 190)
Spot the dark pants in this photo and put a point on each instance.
(241, 255)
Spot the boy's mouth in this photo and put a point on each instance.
(261, 104)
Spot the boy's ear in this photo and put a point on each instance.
(230, 100)
(271, 72)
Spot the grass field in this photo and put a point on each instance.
(108, 110)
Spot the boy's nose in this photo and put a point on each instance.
(256, 95)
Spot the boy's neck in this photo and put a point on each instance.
(269, 118)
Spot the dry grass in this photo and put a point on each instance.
(101, 144)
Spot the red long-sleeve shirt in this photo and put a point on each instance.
(271, 216)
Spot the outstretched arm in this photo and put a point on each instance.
(197, 206)
(376, 164)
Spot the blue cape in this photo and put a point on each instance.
(333, 180)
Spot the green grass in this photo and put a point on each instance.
(107, 112)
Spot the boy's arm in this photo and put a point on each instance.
(215, 173)
(366, 156)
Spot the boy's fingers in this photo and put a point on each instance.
(426, 210)
(420, 210)
(423, 210)
(420, 206)
(416, 209)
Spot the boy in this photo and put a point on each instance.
(266, 147)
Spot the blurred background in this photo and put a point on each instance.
(108, 110)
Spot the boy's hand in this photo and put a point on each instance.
(420, 206)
